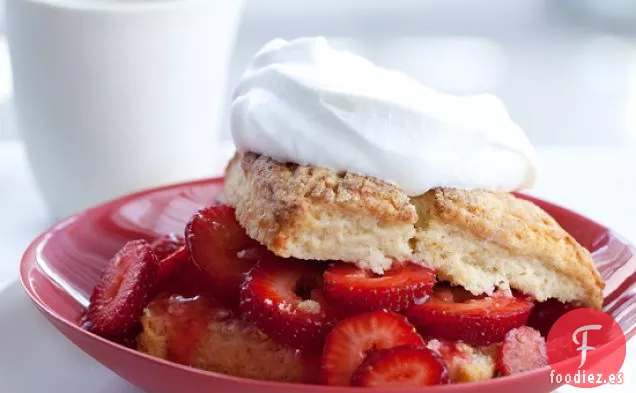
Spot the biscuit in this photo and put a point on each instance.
(313, 213)
(478, 239)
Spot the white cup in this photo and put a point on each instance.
(113, 96)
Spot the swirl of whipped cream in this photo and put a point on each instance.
(305, 102)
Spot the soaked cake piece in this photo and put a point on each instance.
(466, 363)
(199, 333)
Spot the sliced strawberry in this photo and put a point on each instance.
(545, 314)
(404, 366)
(276, 297)
(310, 361)
(351, 339)
(172, 254)
(166, 245)
(358, 290)
(318, 295)
(221, 248)
(123, 291)
(189, 281)
(523, 349)
(477, 321)
(171, 265)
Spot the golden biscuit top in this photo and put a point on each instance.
(515, 224)
(474, 238)
(292, 186)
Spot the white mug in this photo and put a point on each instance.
(117, 95)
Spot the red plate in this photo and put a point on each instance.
(62, 265)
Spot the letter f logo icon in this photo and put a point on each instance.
(584, 347)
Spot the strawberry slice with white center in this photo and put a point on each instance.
(220, 247)
(353, 338)
(404, 366)
(523, 349)
(123, 291)
(476, 321)
(358, 290)
(277, 298)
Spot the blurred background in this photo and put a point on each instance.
(566, 69)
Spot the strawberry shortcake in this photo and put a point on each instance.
(368, 237)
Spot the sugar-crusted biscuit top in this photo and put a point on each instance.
(292, 186)
(481, 239)
(313, 213)
(478, 239)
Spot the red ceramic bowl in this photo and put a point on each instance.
(61, 266)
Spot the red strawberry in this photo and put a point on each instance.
(276, 297)
(523, 349)
(219, 246)
(123, 291)
(545, 314)
(404, 366)
(310, 362)
(351, 339)
(478, 321)
(318, 295)
(171, 265)
(188, 281)
(166, 245)
(358, 290)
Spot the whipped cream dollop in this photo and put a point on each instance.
(303, 101)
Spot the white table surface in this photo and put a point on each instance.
(34, 357)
